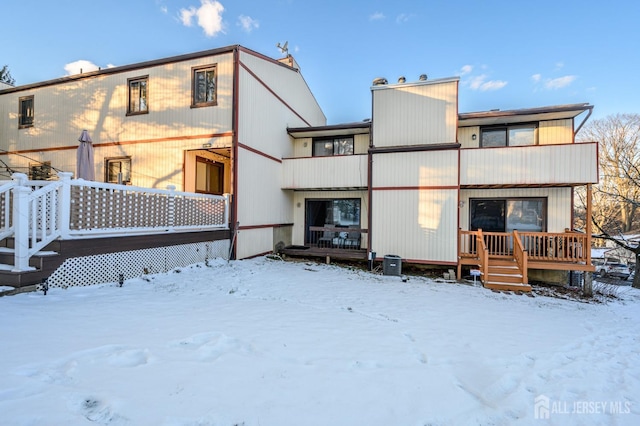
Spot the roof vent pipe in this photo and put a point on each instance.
(423, 77)
(379, 81)
(401, 79)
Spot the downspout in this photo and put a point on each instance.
(234, 149)
(575, 132)
(370, 190)
(458, 266)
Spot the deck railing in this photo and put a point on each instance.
(567, 247)
(36, 213)
(483, 255)
(334, 237)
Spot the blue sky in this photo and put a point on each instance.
(508, 54)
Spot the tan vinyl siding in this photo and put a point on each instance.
(155, 141)
(415, 114)
(465, 137)
(555, 132)
(251, 242)
(272, 97)
(417, 225)
(532, 165)
(260, 199)
(558, 203)
(413, 169)
(344, 171)
(299, 216)
(99, 104)
(290, 86)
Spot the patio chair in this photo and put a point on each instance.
(352, 240)
(327, 237)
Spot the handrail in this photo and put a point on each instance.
(483, 256)
(520, 256)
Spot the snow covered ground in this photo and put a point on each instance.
(265, 342)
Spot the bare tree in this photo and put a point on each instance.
(616, 198)
(5, 76)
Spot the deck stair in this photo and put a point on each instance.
(504, 274)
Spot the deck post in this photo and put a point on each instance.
(21, 216)
(227, 207)
(171, 207)
(64, 204)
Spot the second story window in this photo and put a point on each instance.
(517, 135)
(138, 95)
(26, 114)
(332, 146)
(204, 86)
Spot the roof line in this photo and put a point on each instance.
(526, 111)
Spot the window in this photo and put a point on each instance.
(40, 171)
(138, 100)
(506, 215)
(339, 213)
(204, 86)
(26, 113)
(209, 176)
(117, 170)
(332, 146)
(519, 135)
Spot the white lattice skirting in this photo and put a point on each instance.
(102, 268)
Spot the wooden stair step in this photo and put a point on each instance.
(508, 286)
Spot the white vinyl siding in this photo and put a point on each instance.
(417, 225)
(348, 171)
(415, 114)
(415, 169)
(531, 165)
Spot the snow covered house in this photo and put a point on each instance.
(490, 190)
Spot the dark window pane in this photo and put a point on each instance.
(26, 111)
(497, 137)
(204, 86)
(488, 215)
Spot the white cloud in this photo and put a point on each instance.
(560, 82)
(466, 69)
(247, 23)
(493, 85)
(480, 83)
(403, 17)
(536, 77)
(164, 9)
(209, 16)
(80, 66)
(378, 16)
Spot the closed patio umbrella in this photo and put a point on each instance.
(85, 168)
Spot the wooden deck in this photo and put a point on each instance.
(567, 251)
(325, 252)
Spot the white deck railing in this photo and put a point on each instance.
(36, 213)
